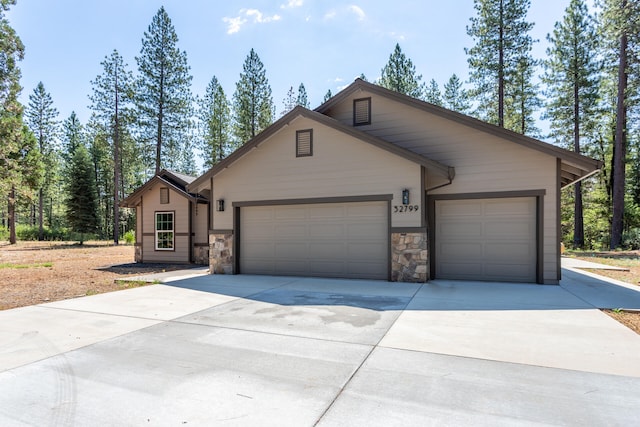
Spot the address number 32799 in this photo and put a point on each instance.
(406, 208)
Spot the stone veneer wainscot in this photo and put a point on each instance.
(409, 257)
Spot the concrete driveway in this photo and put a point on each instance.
(251, 350)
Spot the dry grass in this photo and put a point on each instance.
(36, 272)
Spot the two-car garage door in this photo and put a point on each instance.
(486, 239)
(348, 240)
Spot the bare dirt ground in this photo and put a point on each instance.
(36, 272)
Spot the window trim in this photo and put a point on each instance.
(172, 231)
(300, 132)
(356, 101)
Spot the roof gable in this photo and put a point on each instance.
(574, 167)
(165, 178)
(439, 168)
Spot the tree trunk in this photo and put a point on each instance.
(619, 151)
(12, 216)
(578, 221)
(40, 215)
(501, 68)
(116, 171)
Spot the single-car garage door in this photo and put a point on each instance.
(348, 240)
(486, 239)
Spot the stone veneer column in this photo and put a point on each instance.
(221, 253)
(409, 257)
(201, 253)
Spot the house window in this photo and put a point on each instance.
(304, 143)
(164, 231)
(362, 111)
(164, 196)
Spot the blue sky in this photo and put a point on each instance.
(323, 44)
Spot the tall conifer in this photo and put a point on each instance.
(572, 78)
(253, 108)
(163, 92)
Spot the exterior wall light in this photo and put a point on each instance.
(405, 197)
(220, 205)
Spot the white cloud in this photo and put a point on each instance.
(259, 17)
(235, 24)
(330, 15)
(358, 11)
(291, 4)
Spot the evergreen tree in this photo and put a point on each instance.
(111, 98)
(214, 115)
(253, 108)
(82, 202)
(502, 47)
(620, 24)
(72, 137)
(522, 100)
(163, 97)
(20, 161)
(432, 94)
(289, 101)
(302, 99)
(572, 73)
(327, 96)
(399, 74)
(455, 97)
(41, 118)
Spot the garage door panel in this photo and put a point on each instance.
(486, 239)
(462, 209)
(514, 229)
(290, 213)
(461, 229)
(461, 250)
(366, 250)
(330, 240)
(508, 251)
(327, 211)
(325, 231)
(327, 250)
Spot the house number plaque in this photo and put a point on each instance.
(406, 208)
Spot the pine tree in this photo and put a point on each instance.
(327, 96)
(572, 74)
(620, 24)
(502, 45)
(432, 94)
(20, 161)
(72, 137)
(455, 97)
(289, 101)
(399, 74)
(41, 118)
(163, 92)
(302, 99)
(82, 202)
(111, 98)
(214, 115)
(522, 99)
(253, 108)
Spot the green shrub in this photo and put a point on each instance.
(631, 239)
(130, 237)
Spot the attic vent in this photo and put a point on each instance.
(362, 111)
(164, 196)
(304, 143)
